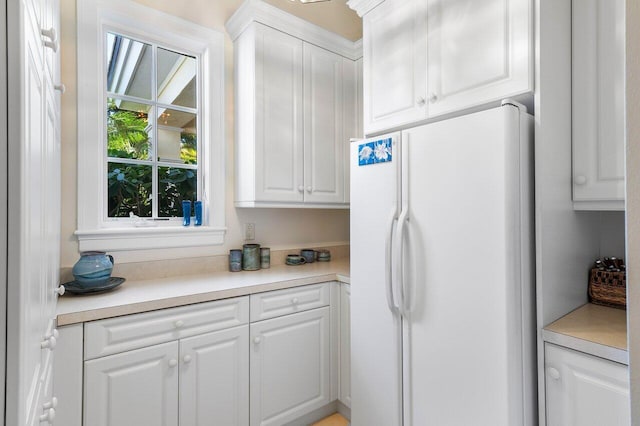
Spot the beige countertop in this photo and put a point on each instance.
(594, 329)
(146, 295)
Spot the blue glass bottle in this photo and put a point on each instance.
(198, 208)
(186, 213)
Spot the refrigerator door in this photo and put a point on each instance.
(376, 346)
(466, 185)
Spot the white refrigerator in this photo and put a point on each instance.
(442, 288)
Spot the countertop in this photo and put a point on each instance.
(594, 329)
(146, 295)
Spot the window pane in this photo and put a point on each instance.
(128, 130)
(176, 79)
(177, 137)
(129, 66)
(130, 190)
(175, 185)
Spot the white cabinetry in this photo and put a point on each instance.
(583, 390)
(598, 33)
(345, 344)
(33, 207)
(427, 58)
(291, 124)
(136, 388)
(191, 382)
(394, 55)
(290, 367)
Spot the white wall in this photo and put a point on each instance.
(278, 228)
(633, 202)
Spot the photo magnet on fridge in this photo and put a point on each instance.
(374, 152)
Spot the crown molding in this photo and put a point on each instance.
(362, 7)
(259, 11)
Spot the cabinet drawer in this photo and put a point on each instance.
(129, 332)
(283, 302)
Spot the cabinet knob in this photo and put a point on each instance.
(433, 98)
(294, 301)
(60, 87)
(553, 373)
(580, 180)
(178, 324)
(60, 290)
(49, 343)
(173, 362)
(301, 188)
(420, 101)
(53, 45)
(50, 34)
(51, 404)
(187, 359)
(48, 416)
(257, 340)
(309, 189)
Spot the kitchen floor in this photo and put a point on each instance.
(333, 420)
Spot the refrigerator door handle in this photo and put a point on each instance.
(388, 270)
(404, 305)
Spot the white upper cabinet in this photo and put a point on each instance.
(294, 85)
(394, 55)
(598, 104)
(427, 58)
(324, 159)
(478, 52)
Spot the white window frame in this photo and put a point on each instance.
(126, 17)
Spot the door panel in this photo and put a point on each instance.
(136, 388)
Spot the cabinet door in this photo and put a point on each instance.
(214, 378)
(394, 37)
(323, 126)
(598, 104)
(478, 52)
(290, 360)
(345, 344)
(583, 390)
(278, 126)
(137, 388)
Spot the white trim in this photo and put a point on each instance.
(259, 11)
(362, 7)
(135, 20)
(301, 205)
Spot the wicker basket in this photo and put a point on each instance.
(608, 288)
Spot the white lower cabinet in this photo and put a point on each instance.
(214, 378)
(136, 388)
(345, 344)
(290, 367)
(584, 390)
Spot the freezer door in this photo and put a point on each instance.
(375, 330)
(467, 272)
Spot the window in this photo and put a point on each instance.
(150, 128)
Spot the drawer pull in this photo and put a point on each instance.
(60, 290)
(187, 359)
(294, 301)
(173, 363)
(49, 342)
(178, 324)
(257, 340)
(553, 373)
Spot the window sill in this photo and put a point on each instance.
(116, 239)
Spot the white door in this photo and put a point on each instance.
(461, 185)
(478, 51)
(375, 349)
(394, 65)
(323, 126)
(583, 390)
(598, 104)
(278, 117)
(214, 378)
(345, 344)
(136, 388)
(290, 367)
